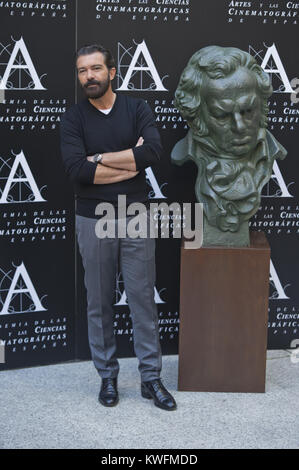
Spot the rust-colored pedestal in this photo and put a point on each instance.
(223, 317)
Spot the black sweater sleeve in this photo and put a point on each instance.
(151, 151)
(73, 150)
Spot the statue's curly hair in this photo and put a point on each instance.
(216, 62)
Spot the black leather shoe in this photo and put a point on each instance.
(108, 394)
(156, 390)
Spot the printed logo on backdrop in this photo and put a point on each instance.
(144, 10)
(20, 220)
(36, 9)
(123, 324)
(280, 12)
(277, 187)
(275, 216)
(156, 190)
(17, 183)
(168, 321)
(278, 290)
(137, 70)
(17, 292)
(121, 296)
(20, 73)
(20, 296)
(270, 61)
(283, 114)
(17, 72)
(283, 315)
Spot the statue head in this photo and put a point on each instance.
(223, 95)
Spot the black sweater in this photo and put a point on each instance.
(85, 131)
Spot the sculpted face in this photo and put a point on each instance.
(232, 112)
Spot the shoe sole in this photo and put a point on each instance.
(107, 404)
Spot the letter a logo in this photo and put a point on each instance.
(21, 296)
(279, 293)
(156, 192)
(18, 68)
(141, 74)
(277, 69)
(20, 181)
(123, 296)
(281, 189)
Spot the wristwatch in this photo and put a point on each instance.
(97, 158)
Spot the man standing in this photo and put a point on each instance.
(107, 141)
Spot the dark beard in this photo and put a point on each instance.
(97, 91)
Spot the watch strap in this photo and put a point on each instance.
(97, 158)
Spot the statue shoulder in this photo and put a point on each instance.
(180, 152)
(276, 150)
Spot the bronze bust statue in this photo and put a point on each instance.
(222, 94)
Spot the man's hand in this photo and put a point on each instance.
(106, 175)
(123, 160)
(140, 142)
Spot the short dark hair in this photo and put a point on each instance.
(92, 48)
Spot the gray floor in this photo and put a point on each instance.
(56, 407)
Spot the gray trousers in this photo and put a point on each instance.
(102, 257)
